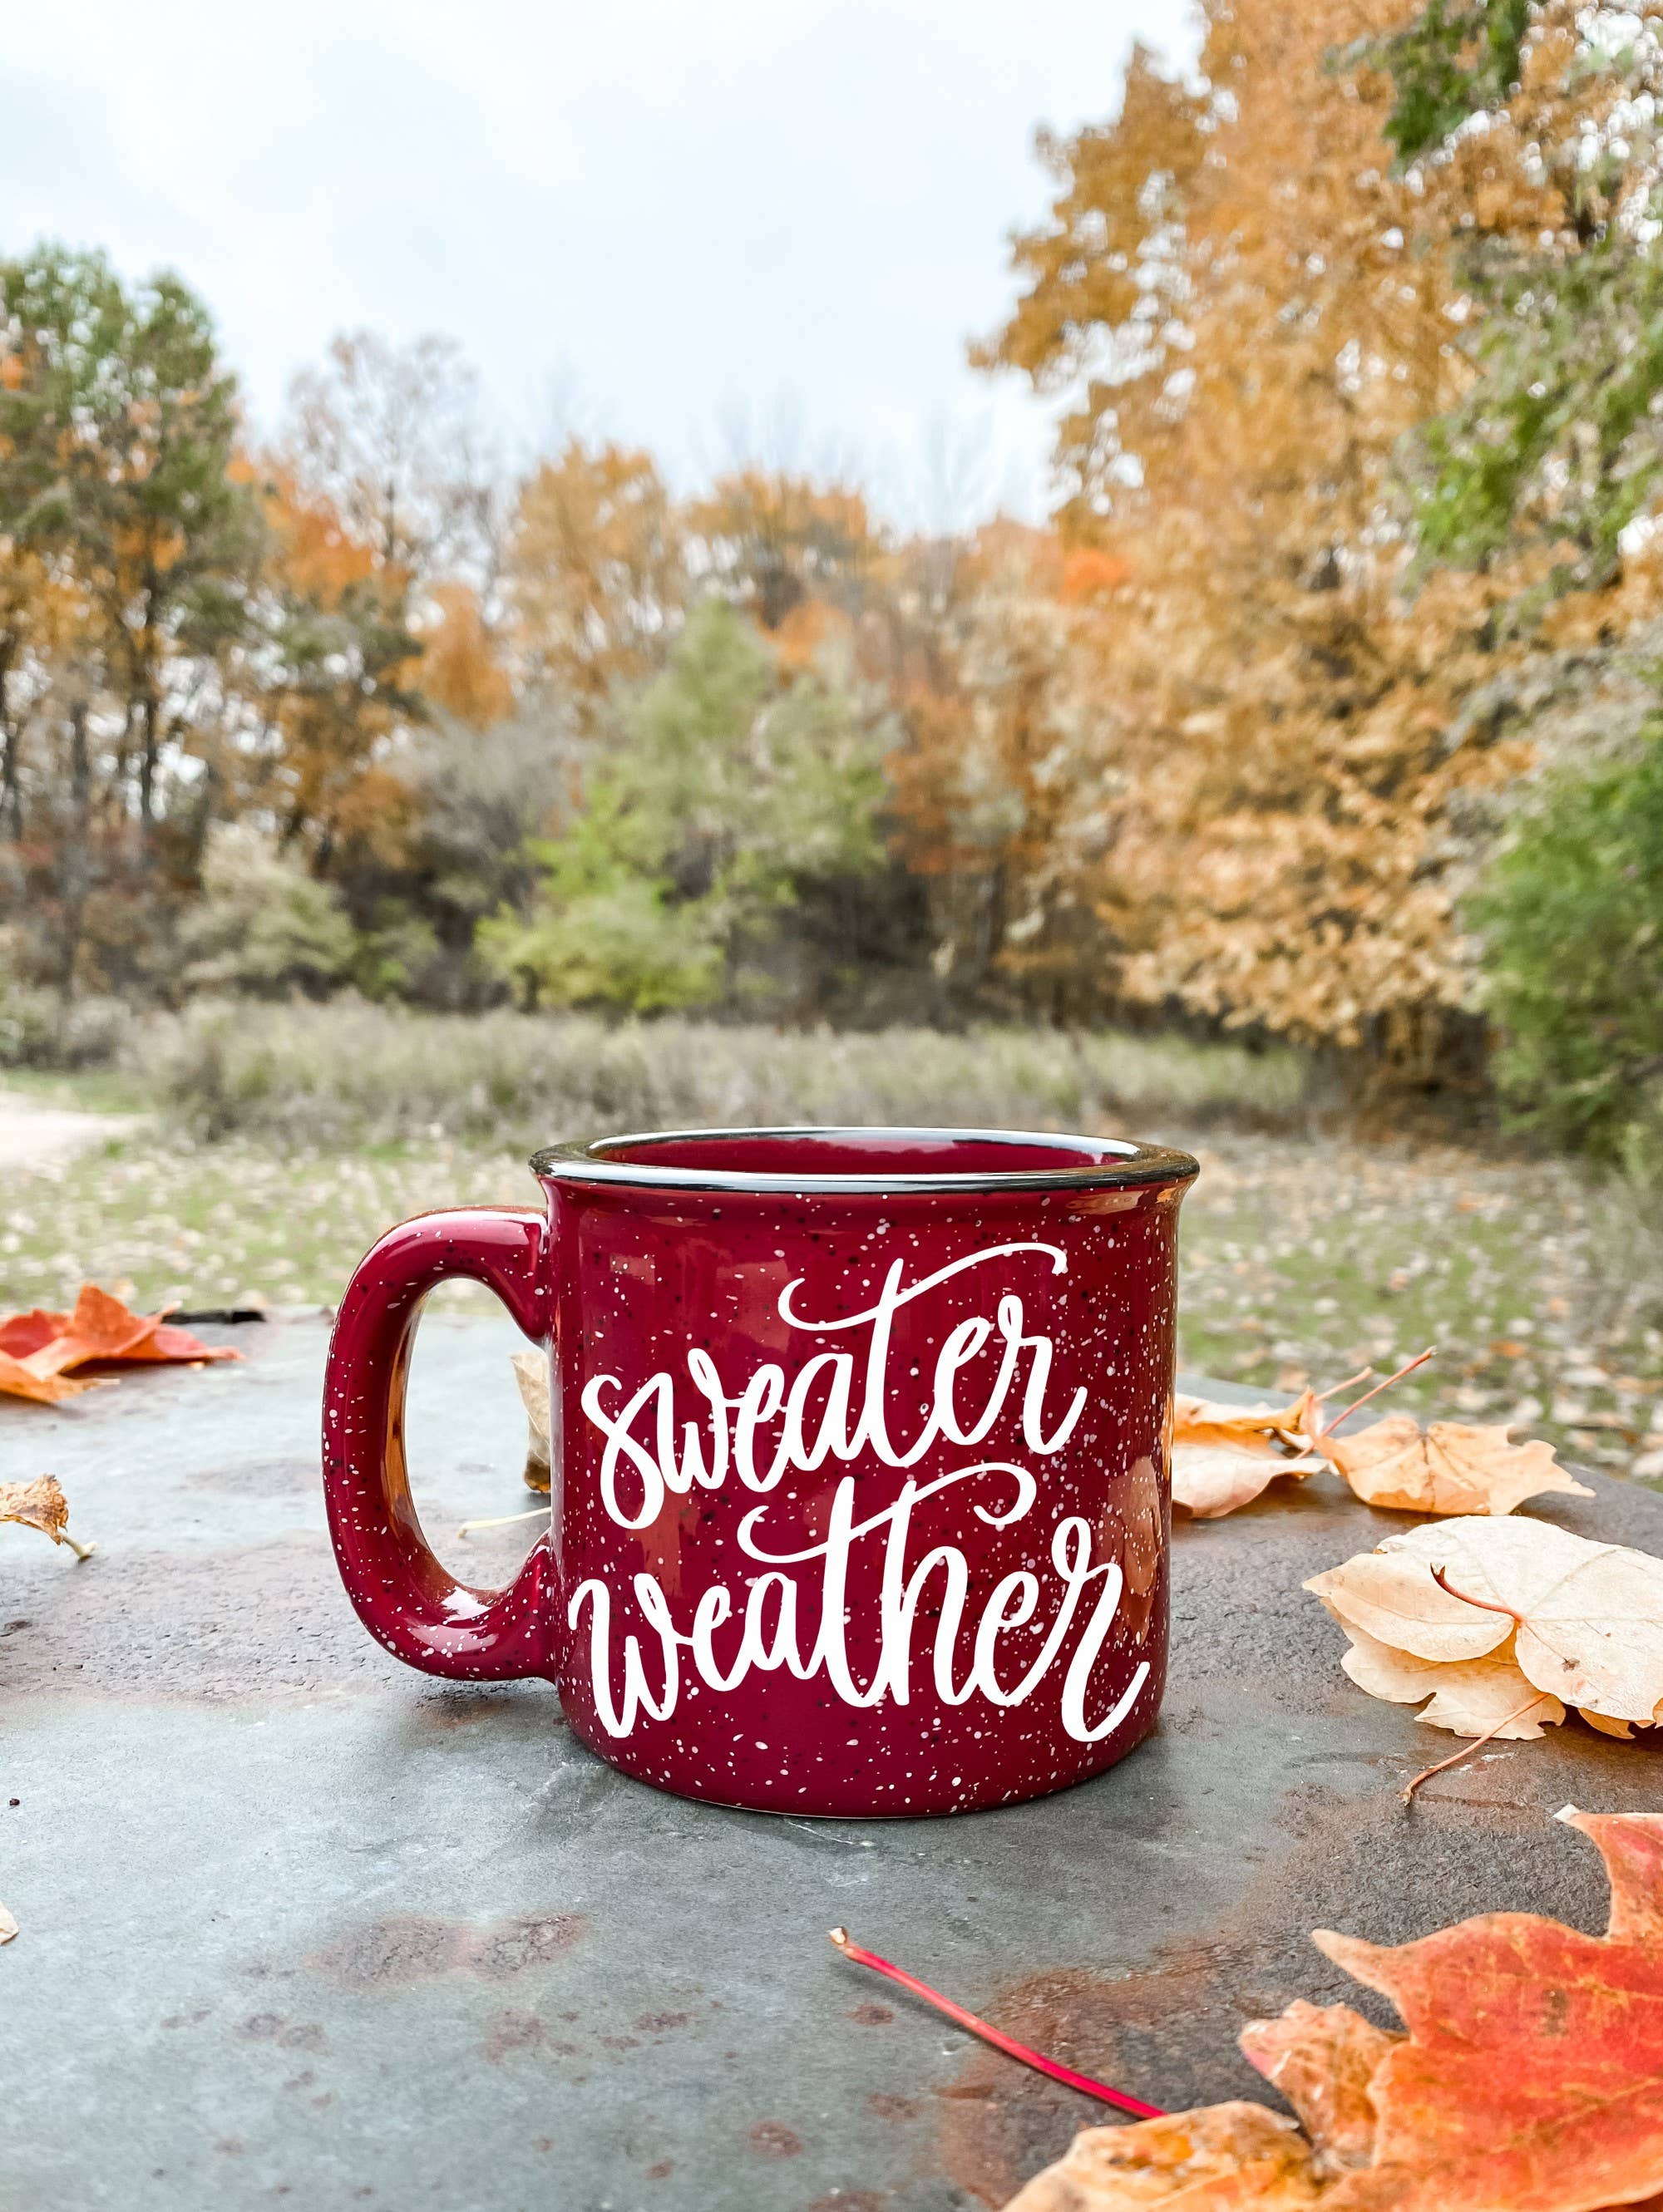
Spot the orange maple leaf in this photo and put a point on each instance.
(1532, 2072)
(39, 1349)
(1529, 2080)
(17, 1380)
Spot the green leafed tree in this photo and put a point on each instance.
(1571, 919)
(724, 794)
(1535, 124)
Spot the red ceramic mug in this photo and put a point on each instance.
(860, 1480)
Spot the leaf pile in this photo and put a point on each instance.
(1503, 1624)
(1530, 2078)
(41, 1350)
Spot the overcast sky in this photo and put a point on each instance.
(707, 226)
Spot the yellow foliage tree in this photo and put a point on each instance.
(595, 569)
(1246, 307)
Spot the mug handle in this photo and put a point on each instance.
(405, 1599)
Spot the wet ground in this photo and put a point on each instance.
(297, 1925)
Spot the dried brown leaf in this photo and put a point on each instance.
(40, 1504)
(1469, 1697)
(1267, 1429)
(1450, 1467)
(531, 1372)
(1241, 2157)
(1322, 2058)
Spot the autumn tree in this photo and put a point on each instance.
(1251, 307)
(1003, 737)
(1556, 447)
(118, 426)
(772, 538)
(392, 438)
(328, 683)
(595, 571)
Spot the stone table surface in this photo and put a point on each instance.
(299, 1924)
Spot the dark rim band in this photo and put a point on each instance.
(1121, 1164)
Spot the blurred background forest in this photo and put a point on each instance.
(1304, 772)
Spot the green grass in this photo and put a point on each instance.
(87, 1089)
(210, 1225)
(1304, 1257)
(1542, 1289)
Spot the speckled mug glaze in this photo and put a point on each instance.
(860, 1494)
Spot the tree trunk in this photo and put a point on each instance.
(11, 740)
(147, 762)
(75, 862)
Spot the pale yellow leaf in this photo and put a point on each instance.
(1589, 1617)
(531, 1372)
(1624, 1731)
(1469, 1697)
(1212, 1480)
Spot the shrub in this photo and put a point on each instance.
(1572, 921)
(351, 1072)
(265, 925)
(39, 1030)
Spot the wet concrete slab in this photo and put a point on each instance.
(298, 1926)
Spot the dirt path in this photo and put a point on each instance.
(34, 1136)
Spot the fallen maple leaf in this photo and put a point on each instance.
(1212, 1480)
(1223, 1456)
(39, 1349)
(24, 1332)
(40, 1504)
(1220, 2157)
(1583, 1621)
(102, 1329)
(1470, 1697)
(1530, 2079)
(1263, 1429)
(17, 1380)
(1447, 1468)
(1322, 2058)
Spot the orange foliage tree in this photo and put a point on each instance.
(1244, 305)
(771, 539)
(595, 570)
(329, 679)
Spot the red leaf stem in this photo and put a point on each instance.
(1441, 1576)
(1008, 2044)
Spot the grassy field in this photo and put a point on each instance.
(1306, 1253)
